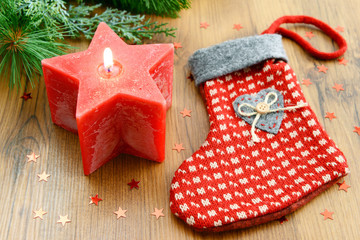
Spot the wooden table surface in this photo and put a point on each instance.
(26, 126)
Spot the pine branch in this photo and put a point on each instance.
(23, 45)
(165, 8)
(131, 27)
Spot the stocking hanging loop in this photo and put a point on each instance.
(275, 28)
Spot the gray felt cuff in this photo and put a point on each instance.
(231, 56)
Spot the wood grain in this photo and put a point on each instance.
(26, 127)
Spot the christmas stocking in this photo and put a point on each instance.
(266, 153)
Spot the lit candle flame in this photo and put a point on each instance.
(108, 59)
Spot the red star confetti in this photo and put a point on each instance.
(282, 219)
(343, 186)
(178, 147)
(177, 45)
(43, 177)
(190, 77)
(327, 214)
(120, 213)
(342, 61)
(186, 113)
(204, 25)
(134, 184)
(39, 213)
(32, 157)
(357, 130)
(306, 82)
(322, 68)
(338, 87)
(237, 27)
(158, 213)
(63, 220)
(26, 96)
(95, 200)
(330, 115)
(339, 29)
(309, 35)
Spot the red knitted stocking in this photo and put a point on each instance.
(266, 153)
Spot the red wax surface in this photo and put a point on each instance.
(124, 113)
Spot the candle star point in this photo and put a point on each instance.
(120, 213)
(306, 82)
(237, 27)
(43, 176)
(63, 220)
(186, 113)
(322, 68)
(204, 25)
(178, 147)
(39, 213)
(158, 213)
(327, 214)
(309, 35)
(357, 130)
(330, 115)
(338, 87)
(26, 96)
(134, 184)
(95, 200)
(32, 157)
(343, 186)
(342, 61)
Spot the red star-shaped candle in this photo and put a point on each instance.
(116, 105)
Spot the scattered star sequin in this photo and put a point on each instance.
(306, 82)
(338, 87)
(342, 61)
(63, 220)
(339, 29)
(309, 35)
(43, 176)
(343, 186)
(120, 213)
(95, 200)
(26, 96)
(357, 130)
(134, 184)
(327, 214)
(283, 219)
(237, 27)
(32, 157)
(178, 147)
(204, 25)
(322, 68)
(186, 113)
(158, 213)
(39, 213)
(190, 77)
(330, 115)
(177, 45)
